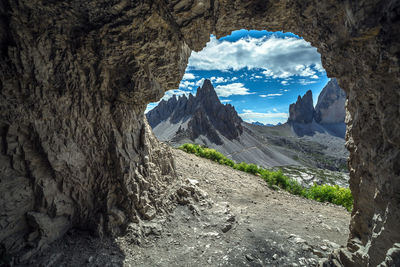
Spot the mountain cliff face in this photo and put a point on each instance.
(330, 107)
(331, 104)
(303, 110)
(202, 114)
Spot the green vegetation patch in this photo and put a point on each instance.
(322, 193)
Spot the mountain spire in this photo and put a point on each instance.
(202, 115)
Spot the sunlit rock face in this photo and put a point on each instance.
(330, 107)
(76, 77)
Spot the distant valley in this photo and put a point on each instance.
(310, 145)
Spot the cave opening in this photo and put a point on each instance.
(77, 151)
(283, 110)
(263, 100)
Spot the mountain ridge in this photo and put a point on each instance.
(202, 114)
(330, 107)
(202, 119)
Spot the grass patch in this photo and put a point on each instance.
(322, 193)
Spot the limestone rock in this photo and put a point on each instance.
(202, 114)
(303, 110)
(330, 107)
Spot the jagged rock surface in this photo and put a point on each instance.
(303, 110)
(330, 107)
(76, 77)
(328, 115)
(203, 114)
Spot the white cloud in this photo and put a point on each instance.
(306, 82)
(268, 73)
(218, 80)
(255, 76)
(177, 92)
(269, 95)
(279, 57)
(225, 100)
(199, 82)
(188, 76)
(318, 67)
(259, 116)
(186, 84)
(284, 82)
(168, 94)
(247, 111)
(275, 110)
(150, 106)
(234, 79)
(232, 89)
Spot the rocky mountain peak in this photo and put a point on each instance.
(303, 110)
(330, 107)
(207, 97)
(202, 114)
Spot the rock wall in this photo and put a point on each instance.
(76, 76)
(330, 107)
(303, 110)
(76, 150)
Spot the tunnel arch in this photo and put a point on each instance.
(76, 77)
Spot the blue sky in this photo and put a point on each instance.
(260, 73)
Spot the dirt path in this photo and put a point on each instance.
(243, 223)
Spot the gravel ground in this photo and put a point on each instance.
(241, 222)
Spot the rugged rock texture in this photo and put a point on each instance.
(76, 150)
(76, 77)
(330, 107)
(202, 114)
(303, 110)
(328, 115)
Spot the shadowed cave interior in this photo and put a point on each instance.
(76, 78)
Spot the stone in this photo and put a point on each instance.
(226, 227)
(303, 261)
(324, 248)
(231, 218)
(76, 77)
(319, 253)
(328, 114)
(90, 259)
(303, 110)
(330, 107)
(249, 257)
(327, 227)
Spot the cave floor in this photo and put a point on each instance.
(241, 223)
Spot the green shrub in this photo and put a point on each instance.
(333, 194)
(252, 168)
(241, 166)
(276, 179)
